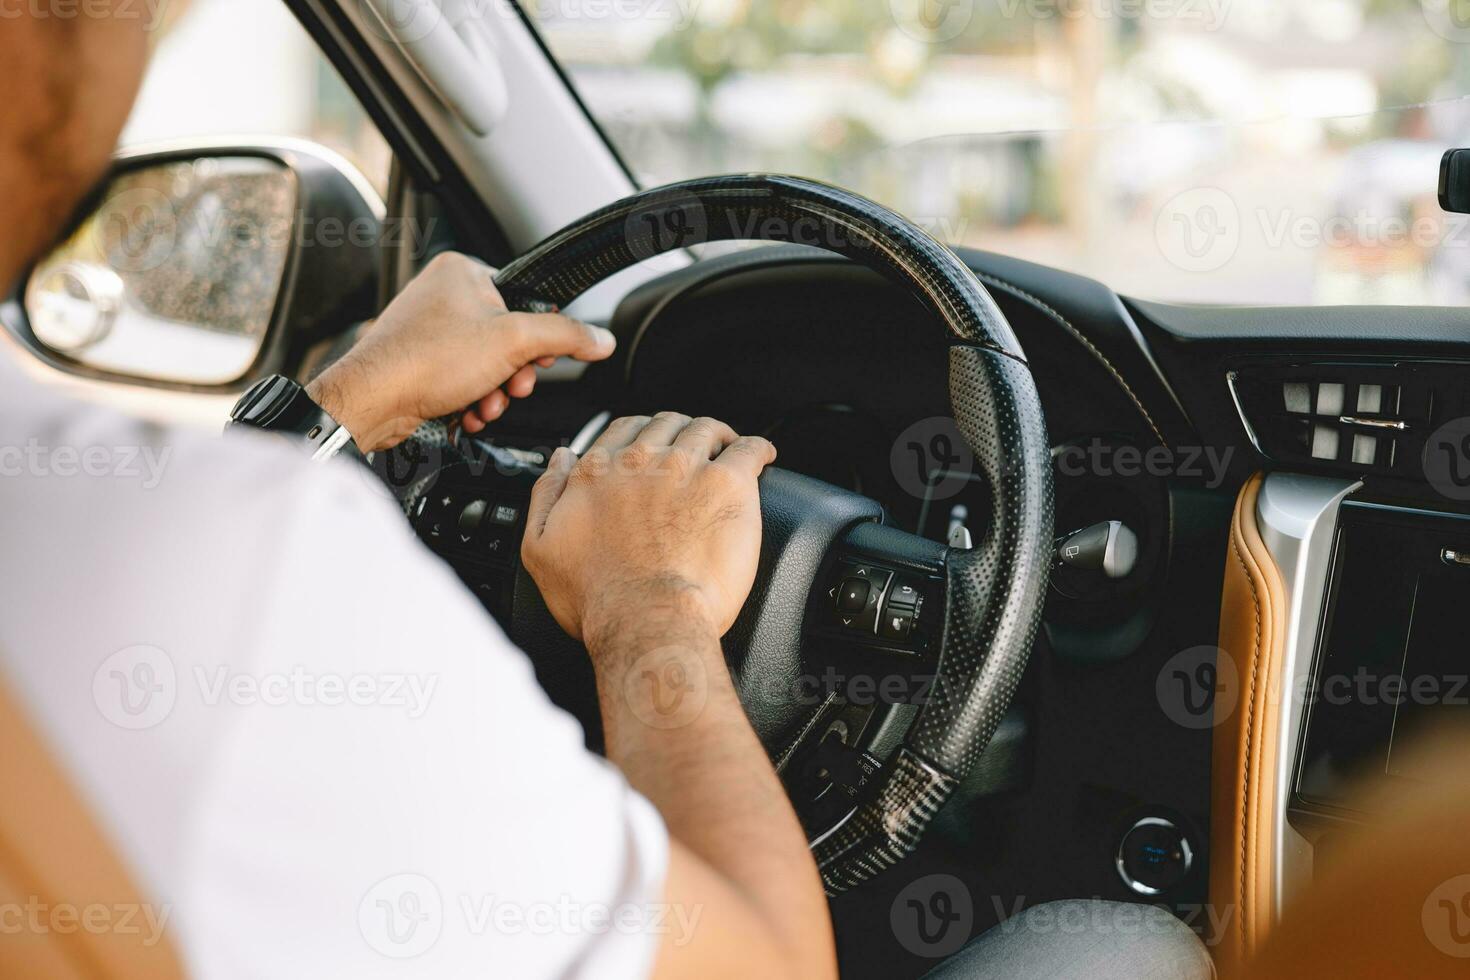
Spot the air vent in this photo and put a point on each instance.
(1339, 416)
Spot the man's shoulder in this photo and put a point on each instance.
(104, 465)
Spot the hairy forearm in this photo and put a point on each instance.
(333, 390)
(675, 726)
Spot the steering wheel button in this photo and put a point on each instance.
(497, 542)
(854, 595)
(506, 514)
(896, 624)
(859, 595)
(470, 518)
(877, 578)
(991, 392)
(903, 594)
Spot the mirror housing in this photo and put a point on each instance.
(1454, 181)
(204, 267)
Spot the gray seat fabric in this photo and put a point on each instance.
(1083, 939)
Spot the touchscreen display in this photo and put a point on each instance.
(1393, 661)
(1436, 689)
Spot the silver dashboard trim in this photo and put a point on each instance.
(588, 434)
(1394, 424)
(1245, 423)
(1297, 515)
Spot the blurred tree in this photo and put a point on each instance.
(728, 37)
(751, 35)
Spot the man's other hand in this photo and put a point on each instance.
(446, 342)
(661, 512)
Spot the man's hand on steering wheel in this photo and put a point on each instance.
(661, 509)
(436, 351)
(446, 342)
(646, 549)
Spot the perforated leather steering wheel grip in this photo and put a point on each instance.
(996, 590)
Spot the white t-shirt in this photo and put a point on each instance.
(315, 751)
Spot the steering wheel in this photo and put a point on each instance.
(836, 587)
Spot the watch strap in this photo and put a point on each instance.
(278, 404)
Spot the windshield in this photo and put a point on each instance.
(1203, 151)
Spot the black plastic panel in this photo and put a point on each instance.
(1392, 663)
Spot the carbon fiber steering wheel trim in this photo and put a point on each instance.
(757, 207)
(996, 590)
(995, 597)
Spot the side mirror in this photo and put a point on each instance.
(203, 268)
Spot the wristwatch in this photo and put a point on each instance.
(278, 404)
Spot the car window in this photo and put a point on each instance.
(227, 68)
(1209, 151)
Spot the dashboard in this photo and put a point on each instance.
(1157, 416)
(848, 378)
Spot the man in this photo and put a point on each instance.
(303, 742)
(352, 772)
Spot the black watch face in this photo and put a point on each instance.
(279, 404)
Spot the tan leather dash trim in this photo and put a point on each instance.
(1242, 795)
